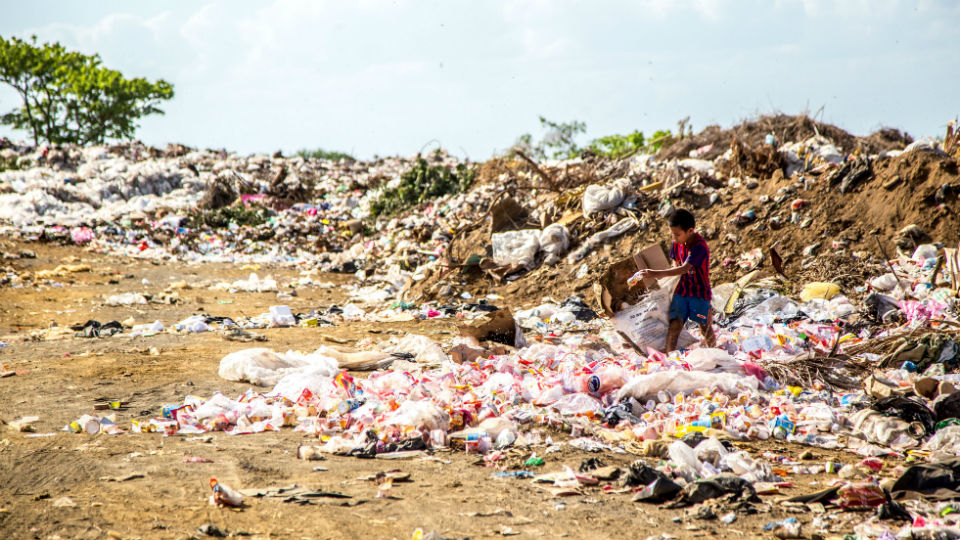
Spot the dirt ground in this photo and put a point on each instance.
(139, 485)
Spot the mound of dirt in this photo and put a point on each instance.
(888, 139)
(830, 236)
(896, 192)
(752, 133)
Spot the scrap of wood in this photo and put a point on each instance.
(738, 290)
(543, 174)
(952, 263)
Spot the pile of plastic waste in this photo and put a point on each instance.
(750, 386)
(872, 369)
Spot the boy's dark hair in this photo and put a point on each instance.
(683, 219)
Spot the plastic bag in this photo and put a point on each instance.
(554, 241)
(945, 442)
(577, 403)
(621, 227)
(688, 465)
(282, 316)
(192, 324)
(424, 349)
(264, 367)
(126, 299)
(215, 406)
(925, 251)
(704, 359)
(352, 312)
(252, 284)
(516, 247)
(886, 430)
(292, 385)
(540, 353)
(530, 318)
(744, 466)
(888, 282)
(598, 198)
(830, 154)
(820, 290)
(422, 415)
(712, 451)
(146, 329)
(643, 387)
(648, 332)
(496, 426)
(767, 311)
(646, 323)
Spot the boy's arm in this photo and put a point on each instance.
(670, 272)
(697, 256)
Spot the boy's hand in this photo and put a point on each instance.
(641, 275)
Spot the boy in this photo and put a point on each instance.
(691, 299)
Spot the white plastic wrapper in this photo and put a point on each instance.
(621, 227)
(712, 359)
(644, 387)
(554, 241)
(516, 247)
(598, 198)
(265, 367)
(126, 299)
(423, 349)
(422, 415)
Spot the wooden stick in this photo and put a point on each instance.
(886, 259)
(540, 171)
(936, 270)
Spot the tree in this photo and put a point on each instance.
(69, 97)
(559, 141)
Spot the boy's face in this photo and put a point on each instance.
(680, 235)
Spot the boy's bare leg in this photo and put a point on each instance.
(709, 338)
(673, 334)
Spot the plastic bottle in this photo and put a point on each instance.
(224, 495)
(604, 380)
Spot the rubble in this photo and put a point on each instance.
(834, 345)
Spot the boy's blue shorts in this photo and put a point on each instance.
(689, 308)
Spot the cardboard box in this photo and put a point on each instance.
(614, 291)
(497, 327)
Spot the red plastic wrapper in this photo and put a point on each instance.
(861, 495)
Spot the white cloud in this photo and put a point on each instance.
(366, 75)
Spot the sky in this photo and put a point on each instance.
(372, 77)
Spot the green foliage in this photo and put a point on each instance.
(320, 153)
(615, 146)
(524, 143)
(560, 139)
(237, 213)
(420, 183)
(559, 142)
(661, 139)
(9, 164)
(69, 97)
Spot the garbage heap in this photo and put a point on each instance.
(877, 379)
(811, 190)
(822, 340)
